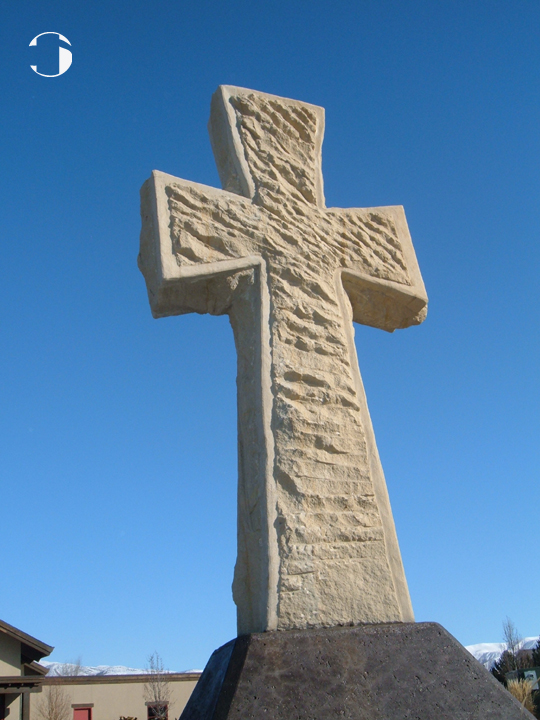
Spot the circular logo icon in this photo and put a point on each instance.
(64, 55)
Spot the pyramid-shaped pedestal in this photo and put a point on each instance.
(399, 671)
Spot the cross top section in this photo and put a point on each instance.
(267, 147)
(316, 539)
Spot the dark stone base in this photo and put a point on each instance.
(401, 671)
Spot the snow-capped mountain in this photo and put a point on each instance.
(489, 653)
(56, 668)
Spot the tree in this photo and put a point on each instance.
(73, 667)
(536, 654)
(54, 704)
(518, 657)
(157, 689)
(502, 666)
(513, 642)
(514, 657)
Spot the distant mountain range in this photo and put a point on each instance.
(489, 653)
(486, 653)
(56, 668)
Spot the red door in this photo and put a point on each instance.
(82, 713)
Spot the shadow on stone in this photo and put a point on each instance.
(409, 671)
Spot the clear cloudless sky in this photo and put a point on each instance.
(118, 432)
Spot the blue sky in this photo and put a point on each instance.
(118, 432)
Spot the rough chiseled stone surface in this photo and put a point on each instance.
(316, 540)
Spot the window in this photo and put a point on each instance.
(156, 711)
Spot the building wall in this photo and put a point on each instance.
(10, 665)
(114, 699)
(10, 655)
(13, 707)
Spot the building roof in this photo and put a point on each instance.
(10, 685)
(116, 679)
(31, 648)
(34, 668)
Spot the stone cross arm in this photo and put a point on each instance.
(316, 539)
(268, 152)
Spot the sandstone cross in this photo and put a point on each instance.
(316, 538)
